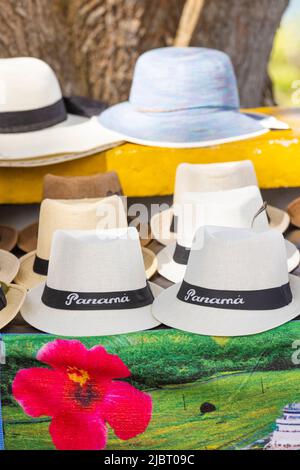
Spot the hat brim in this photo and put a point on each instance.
(222, 322)
(161, 223)
(15, 298)
(28, 278)
(9, 266)
(87, 322)
(27, 239)
(75, 135)
(294, 212)
(8, 237)
(174, 272)
(197, 127)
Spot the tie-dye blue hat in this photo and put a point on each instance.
(182, 97)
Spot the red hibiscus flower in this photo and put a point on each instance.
(81, 397)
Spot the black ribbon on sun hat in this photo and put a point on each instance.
(41, 118)
(263, 299)
(123, 300)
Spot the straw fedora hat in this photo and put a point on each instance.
(9, 266)
(12, 298)
(238, 208)
(11, 295)
(205, 178)
(294, 212)
(34, 117)
(182, 97)
(236, 283)
(83, 214)
(75, 187)
(8, 237)
(96, 285)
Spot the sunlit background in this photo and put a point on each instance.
(285, 61)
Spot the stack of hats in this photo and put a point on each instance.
(221, 194)
(85, 270)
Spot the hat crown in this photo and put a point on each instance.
(208, 177)
(96, 261)
(26, 84)
(237, 259)
(81, 214)
(173, 78)
(235, 208)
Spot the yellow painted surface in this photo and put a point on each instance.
(149, 171)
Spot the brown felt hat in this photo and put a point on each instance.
(294, 211)
(80, 187)
(8, 237)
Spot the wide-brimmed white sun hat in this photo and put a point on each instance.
(96, 285)
(34, 119)
(236, 283)
(239, 208)
(210, 177)
(73, 214)
(182, 97)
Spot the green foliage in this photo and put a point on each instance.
(284, 67)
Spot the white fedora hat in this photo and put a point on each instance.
(96, 285)
(236, 283)
(209, 177)
(71, 214)
(34, 118)
(238, 208)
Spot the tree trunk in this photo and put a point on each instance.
(36, 28)
(93, 44)
(109, 35)
(244, 29)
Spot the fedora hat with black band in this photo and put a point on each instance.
(182, 97)
(236, 283)
(209, 177)
(96, 285)
(76, 187)
(83, 214)
(11, 295)
(34, 116)
(238, 208)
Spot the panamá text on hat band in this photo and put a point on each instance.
(263, 299)
(123, 300)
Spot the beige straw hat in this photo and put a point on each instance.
(83, 214)
(238, 208)
(236, 283)
(96, 285)
(77, 187)
(11, 296)
(206, 178)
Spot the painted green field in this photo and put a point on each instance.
(247, 406)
